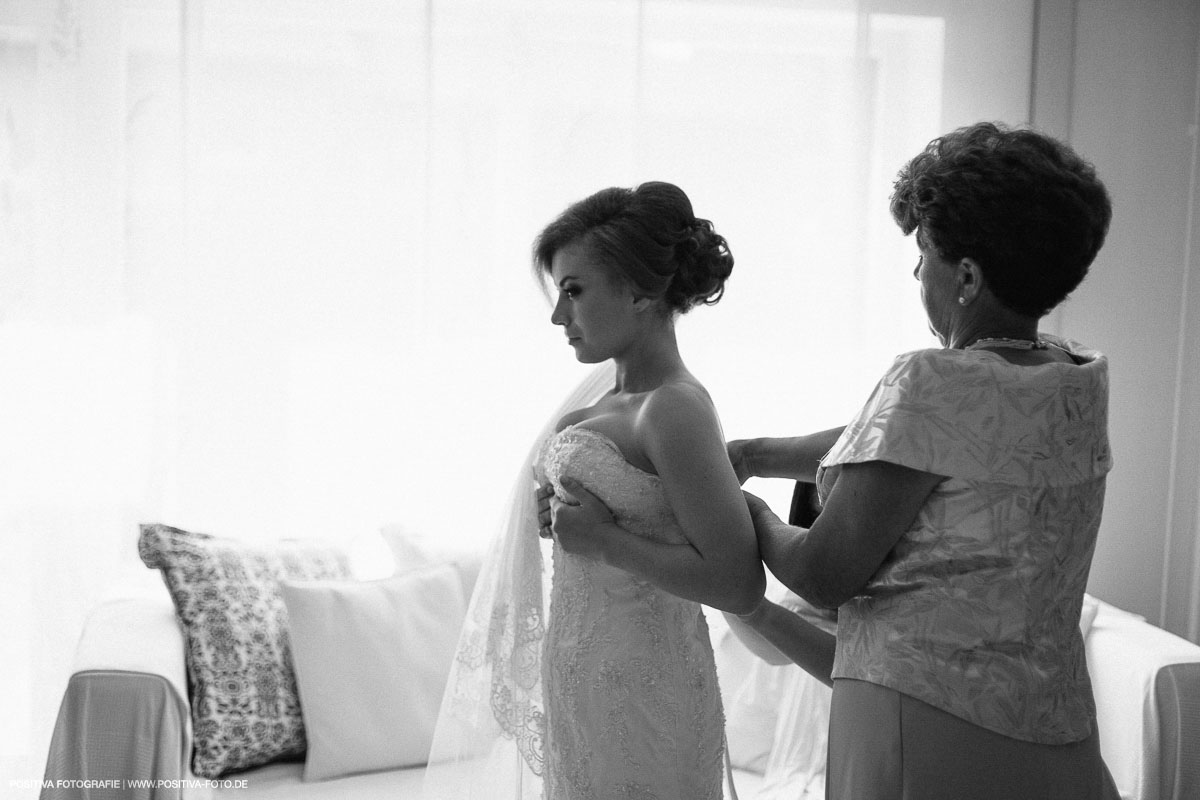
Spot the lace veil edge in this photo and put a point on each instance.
(490, 731)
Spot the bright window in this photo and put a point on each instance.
(264, 264)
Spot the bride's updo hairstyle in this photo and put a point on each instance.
(649, 236)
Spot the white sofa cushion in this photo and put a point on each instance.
(371, 662)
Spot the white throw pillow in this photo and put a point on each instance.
(371, 661)
(410, 549)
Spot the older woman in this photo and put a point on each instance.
(961, 505)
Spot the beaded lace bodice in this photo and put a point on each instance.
(633, 708)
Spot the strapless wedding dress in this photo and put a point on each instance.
(633, 708)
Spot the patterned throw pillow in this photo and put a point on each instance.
(245, 706)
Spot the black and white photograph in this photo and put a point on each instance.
(600, 399)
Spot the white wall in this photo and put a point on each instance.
(1119, 78)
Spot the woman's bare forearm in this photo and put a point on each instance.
(772, 631)
(754, 641)
(782, 547)
(793, 457)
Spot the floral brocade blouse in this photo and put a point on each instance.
(976, 609)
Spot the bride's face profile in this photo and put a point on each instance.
(597, 310)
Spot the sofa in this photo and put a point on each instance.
(364, 660)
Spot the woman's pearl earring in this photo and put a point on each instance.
(962, 301)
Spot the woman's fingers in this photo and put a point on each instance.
(543, 495)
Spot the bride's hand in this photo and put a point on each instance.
(576, 523)
(542, 496)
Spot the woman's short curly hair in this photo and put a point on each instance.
(649, 236)
(1023, 205)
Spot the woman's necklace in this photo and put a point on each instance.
(1002, 341)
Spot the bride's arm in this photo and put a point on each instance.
(719, 564)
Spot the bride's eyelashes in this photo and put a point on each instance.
(569, 290)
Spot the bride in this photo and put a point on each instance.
(603, 685)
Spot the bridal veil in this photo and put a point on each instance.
(490, 732)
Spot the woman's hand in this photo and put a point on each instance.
(745, 628)
(738, 456)
(578, 522)
(765, 521)
(795, 458)
(757, 506)
(778, 635)
(542, 496)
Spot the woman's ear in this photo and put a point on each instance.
(642, 303)
(970, 280)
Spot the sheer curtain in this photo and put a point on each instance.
(264, 263)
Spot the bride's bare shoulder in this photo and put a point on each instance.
(676, 406)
